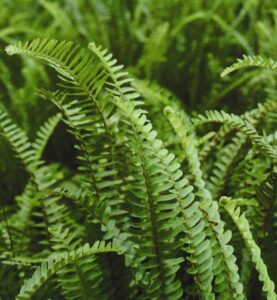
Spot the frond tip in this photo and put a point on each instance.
(251, 61)
(10, 49)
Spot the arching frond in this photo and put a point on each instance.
(83, 76)
(18, 141)
(56, 262)
(251, 61)
(227, 154)
(43, 135)
(151, 181)
(237, 123)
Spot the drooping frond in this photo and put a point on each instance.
(56, 262)
(80, 73)
(251, 61)
(238, 123)
(244, 228)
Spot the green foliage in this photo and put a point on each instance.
(251, 61)
(236, 122)
(222, 252)
(56, 262)
(243, 226)
(89, 154)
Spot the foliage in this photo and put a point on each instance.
(115, 188)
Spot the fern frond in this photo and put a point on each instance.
(83, 76)
(18, 141)
(20, 260)
(56, 262)
(86, 277)
(243, 226)
(155, 173)
(154, 51)
(43, 135)
(222, 252)
(251, 61)
(156, 98)
(225, 155)
(239, 124)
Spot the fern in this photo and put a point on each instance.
(251, 61)
(154, 50)
(44, 134)
(18, 141)
(237, 123)
(56, 262)
(121, 183)
(222, 252)
(243, 226)
(227, 155)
